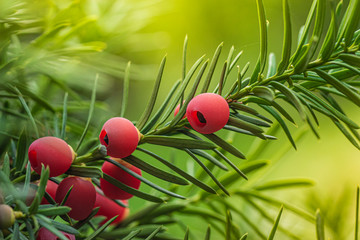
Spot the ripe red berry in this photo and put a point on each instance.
(207, 113)
(81, 198)
(53, 152)
(111, 190)
(44, 234)
(119, 136)
(109, 209)
(51, 188)
(7, 216)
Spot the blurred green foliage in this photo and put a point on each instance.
(48, 50)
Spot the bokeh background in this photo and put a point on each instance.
(143, 31)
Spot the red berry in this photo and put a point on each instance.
(51, 188)
(119, 136)
(44, 234)
(81, 198)
(109, 209)
(207, 113)
(53, 152)
(111, 190)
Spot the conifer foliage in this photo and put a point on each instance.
(109, 163)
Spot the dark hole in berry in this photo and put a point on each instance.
(106, 139)
(201, 117)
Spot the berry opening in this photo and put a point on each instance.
(199, 118)
(104, 139)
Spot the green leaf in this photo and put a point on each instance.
(207, 171)
(321, 103)
(346, 133)
(291, 96)
(263, 40)
(66, 196)
(275, 226)
(274, 202)
(6, 165)
(249, 167)
(84, 171)
(231, 164)
(352, 22)
(101, 229)
(16, 231)
(27, 179)
(182, 173)
(144, 180)
(281, 122)
(213, 63)
(222, 79)
(286, 50)
(244, 237)
(319, 25)
(182, 109)
(131, 190)
(354, 69)
(177, 142)
(28, 111)
(210, 158)
(91, 112)
(34, 96)
(224, 145)
(271, 66)
(184, 59)
(54, 211)
(121, 233)
(208, 232)
(58, 225)
(265, 214)
(228, 225)
(352, 59)
(64, 117)
(263, 92)
(330, 39)
(132, 235)
(21, 152)
(245, 108)
(145, 116)
(125, 90)
(244, 125)
(284, 183)
(41, 189)
(30, 230)
(51, 228)
(304, 34)
(160, 111)
(251, 120)
(186, 237)
(81, 223)
(163, 210)
(354, 97)
(154, 233)
(181, 90)
(247, 220)
(140, 214)
(154, 171)
(320, 230)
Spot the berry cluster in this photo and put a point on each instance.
(120, 137)
(206, 113)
